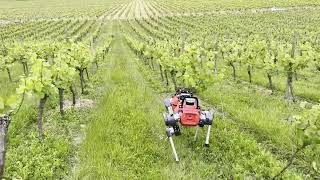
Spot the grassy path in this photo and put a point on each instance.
(126, 138)
(121, 142)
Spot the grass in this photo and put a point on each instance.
(304, 88)
(126, 139)
(268, 118)
(125, 134)
(121, 136)
(267, 115)
(27, 158)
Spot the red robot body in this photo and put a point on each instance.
(183, 108)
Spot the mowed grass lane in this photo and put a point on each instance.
(122, 141)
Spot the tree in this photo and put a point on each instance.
(81, 59)
(18, 53)
(269, 61)
(250, 56)
(230, 53)
(40, 84)
(63, 75)
(293, 57)
(5, 61)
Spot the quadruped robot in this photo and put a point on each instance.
(184, 109)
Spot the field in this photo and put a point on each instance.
(83, 84)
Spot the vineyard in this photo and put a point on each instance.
(83, 84)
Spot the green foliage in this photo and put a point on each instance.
(191, 67)
(8, 105)
(81, 55)
(308, 125)
(30, 159)
(299, 61)
(233, 154)
(39, 82)
(17, 52)
(308, 132)
(102, 51)
(63, 74)
(248, 145)
(5, 61)
(52, 65)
